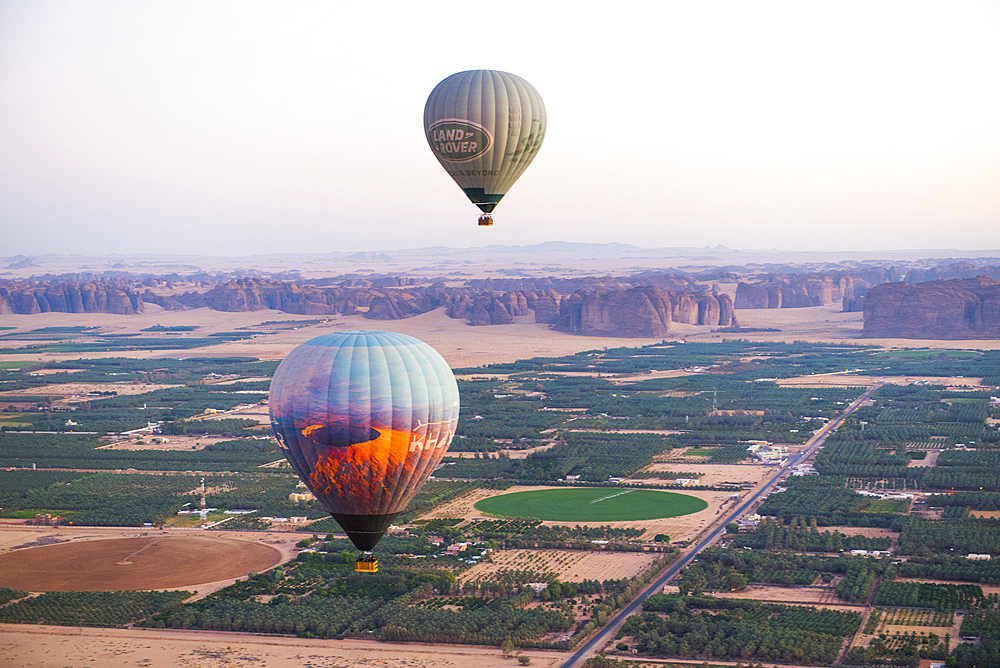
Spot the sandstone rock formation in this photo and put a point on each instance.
(637, 312)
(803, 290)
(107, 296)
(950, 309)
(640, 312)
(954, 270)
(631, 311)
(485, 307)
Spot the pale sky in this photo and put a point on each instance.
(233, 128)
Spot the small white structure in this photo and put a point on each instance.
(979, 557)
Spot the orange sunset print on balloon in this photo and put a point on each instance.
(364, 419)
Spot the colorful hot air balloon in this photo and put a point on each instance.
(364, 418)
(485, 127)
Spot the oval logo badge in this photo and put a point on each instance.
(458, 141)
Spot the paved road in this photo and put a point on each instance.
(812, 446)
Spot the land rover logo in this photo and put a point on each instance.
(458, 141)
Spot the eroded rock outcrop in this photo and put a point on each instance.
(107, 296)
(803, 290)
(637, 312)
(640, 312)
(950, 309)
(631, 311)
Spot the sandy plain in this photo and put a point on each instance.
(460, 343)
(24, 645)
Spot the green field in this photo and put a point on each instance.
(886, 506)
(591, 504)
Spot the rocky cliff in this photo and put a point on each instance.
(954, 270)
(803, 290)
(108, 296)
(251, 294)
(949, 309)
(640, 312)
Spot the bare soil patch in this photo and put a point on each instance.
(716, 474)
(158, 561)
(165, 443)
(867, 532)
(824, 597)
(61, 646)
(256, 412)
(995, 514)
(845, 379)
(77, 392)
(567, 565)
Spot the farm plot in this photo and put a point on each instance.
(592, 504)
(567, 565)
(143, 562)
(818, 596)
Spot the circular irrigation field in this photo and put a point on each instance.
(591, 504)
(115, 564)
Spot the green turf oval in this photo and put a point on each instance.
(591, 504)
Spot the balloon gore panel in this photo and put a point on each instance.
(484, 127)
(364, 418)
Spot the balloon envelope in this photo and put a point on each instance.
(485, 127)
(364, 418)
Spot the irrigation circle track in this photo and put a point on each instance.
(591, 504)
(146, 562)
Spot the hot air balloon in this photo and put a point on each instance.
(485, 127)
(364, 418)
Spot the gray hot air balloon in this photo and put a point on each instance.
(485, 128)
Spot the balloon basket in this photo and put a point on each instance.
(486, 220)
(366, 563)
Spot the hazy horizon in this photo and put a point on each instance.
(238, 129)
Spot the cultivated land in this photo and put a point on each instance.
(567, 565)
(591, 505)
(163, 561)
(195, 553)
(680, 528)
(715, 474)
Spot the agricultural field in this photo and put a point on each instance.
(155, 561)
(591, 505)
(648, 416)
(522, 566)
